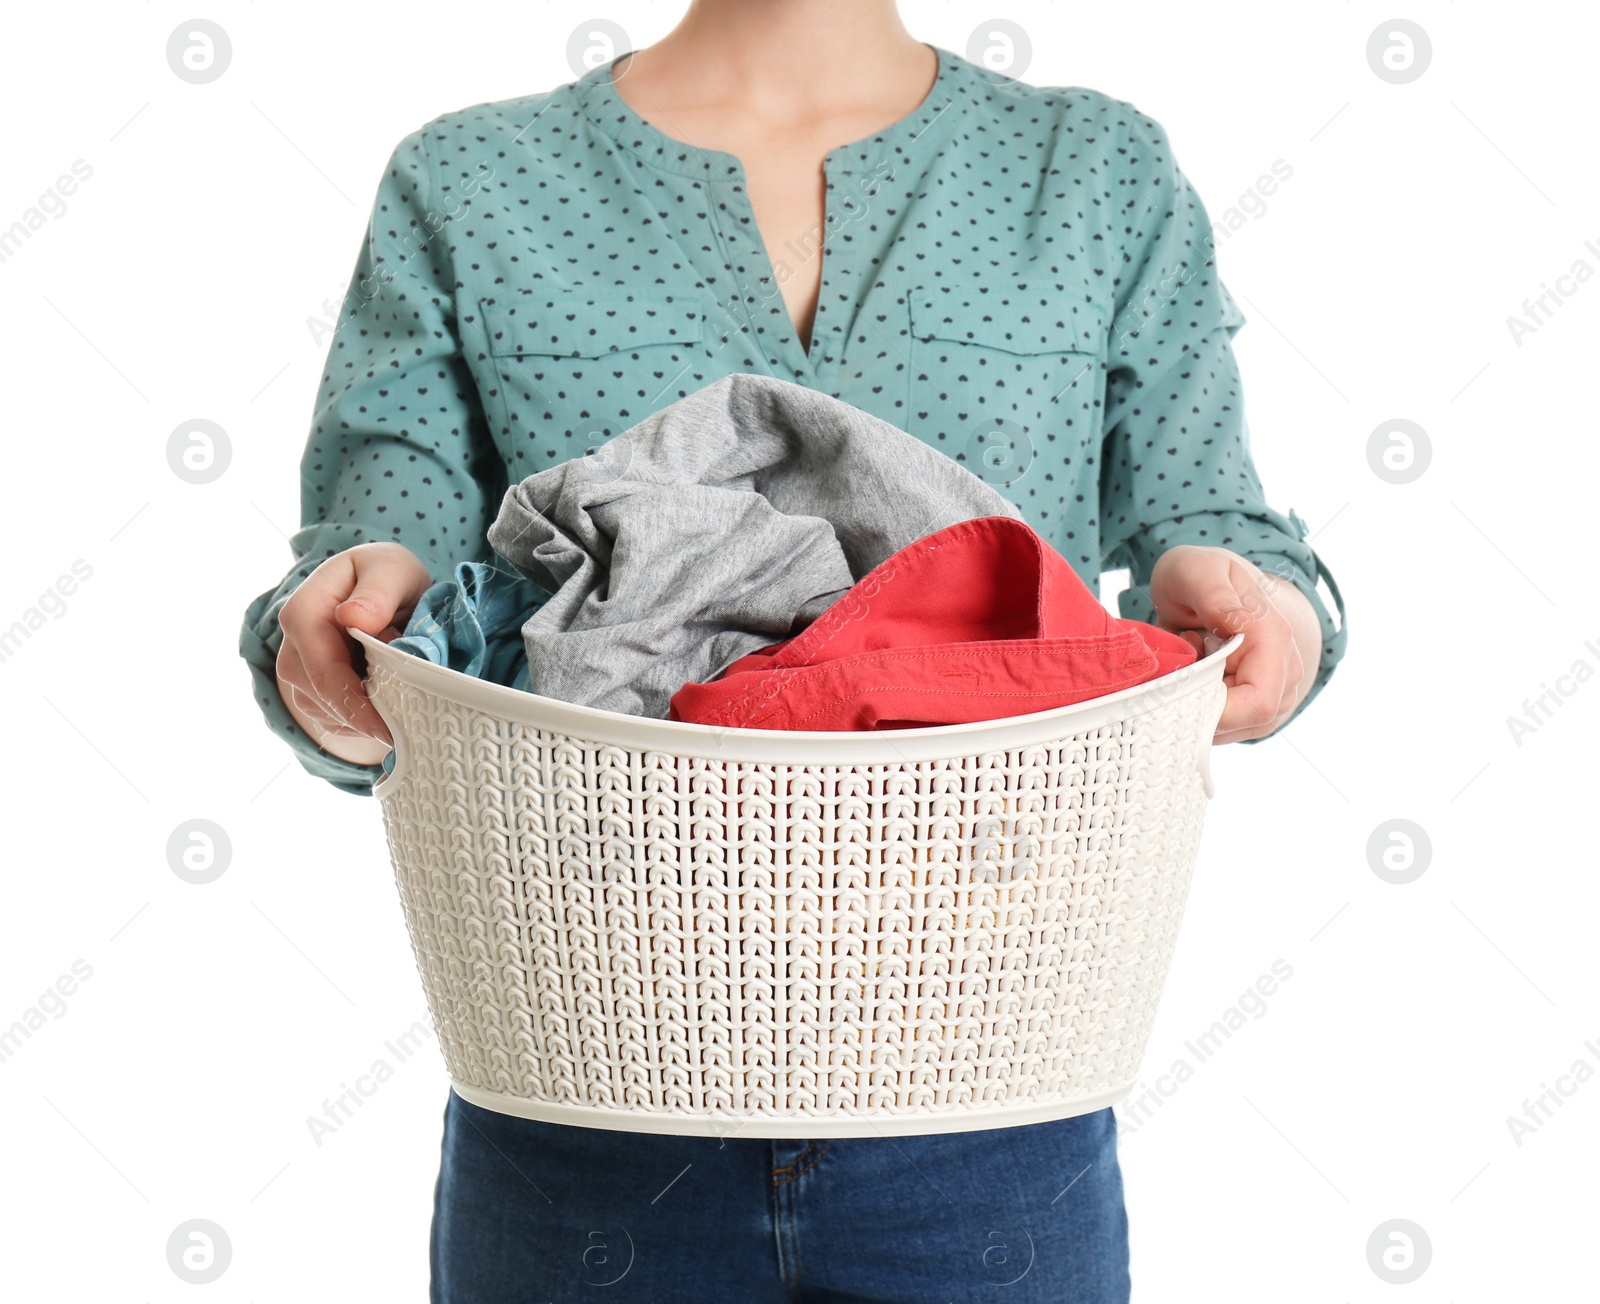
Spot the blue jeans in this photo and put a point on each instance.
(528, 1213)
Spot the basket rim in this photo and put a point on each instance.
(779, 746)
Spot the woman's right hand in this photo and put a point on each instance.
(373, 587)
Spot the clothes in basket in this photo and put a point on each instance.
(726, 521)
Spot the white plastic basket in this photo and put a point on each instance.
(642, 924)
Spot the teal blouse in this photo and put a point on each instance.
(1019, 275)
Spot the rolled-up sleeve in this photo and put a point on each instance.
(399, 449)
(1176, 465)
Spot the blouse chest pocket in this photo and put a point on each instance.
(572, 367)
(1007, 375)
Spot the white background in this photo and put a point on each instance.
(1378, 282)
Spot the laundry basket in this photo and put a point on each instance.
(632, 923)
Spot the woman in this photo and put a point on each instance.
(805, 190)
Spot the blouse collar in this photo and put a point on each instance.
(940, 107)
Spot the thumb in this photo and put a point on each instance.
(1220, 609)
(365, 610)
(1210, 603)
(387, 585)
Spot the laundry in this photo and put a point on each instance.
(472, 623)
(727, 521)
(977, 621)
(760, 555)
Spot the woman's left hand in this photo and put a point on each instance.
(1199, 591)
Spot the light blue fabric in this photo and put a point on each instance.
(472, 622)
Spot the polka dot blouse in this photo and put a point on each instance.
(1020, 276)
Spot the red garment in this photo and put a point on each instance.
(977, 621)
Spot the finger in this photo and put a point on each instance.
(312, 708)
(1211, 603)
(1285, 710)
(1262, 674)
(296, 687)
(1296, 682)
(1244, 735)
(384, 587)
(327, 669)
(335, 681)
(1207, 620)
(295, 677)
(1257, 730)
